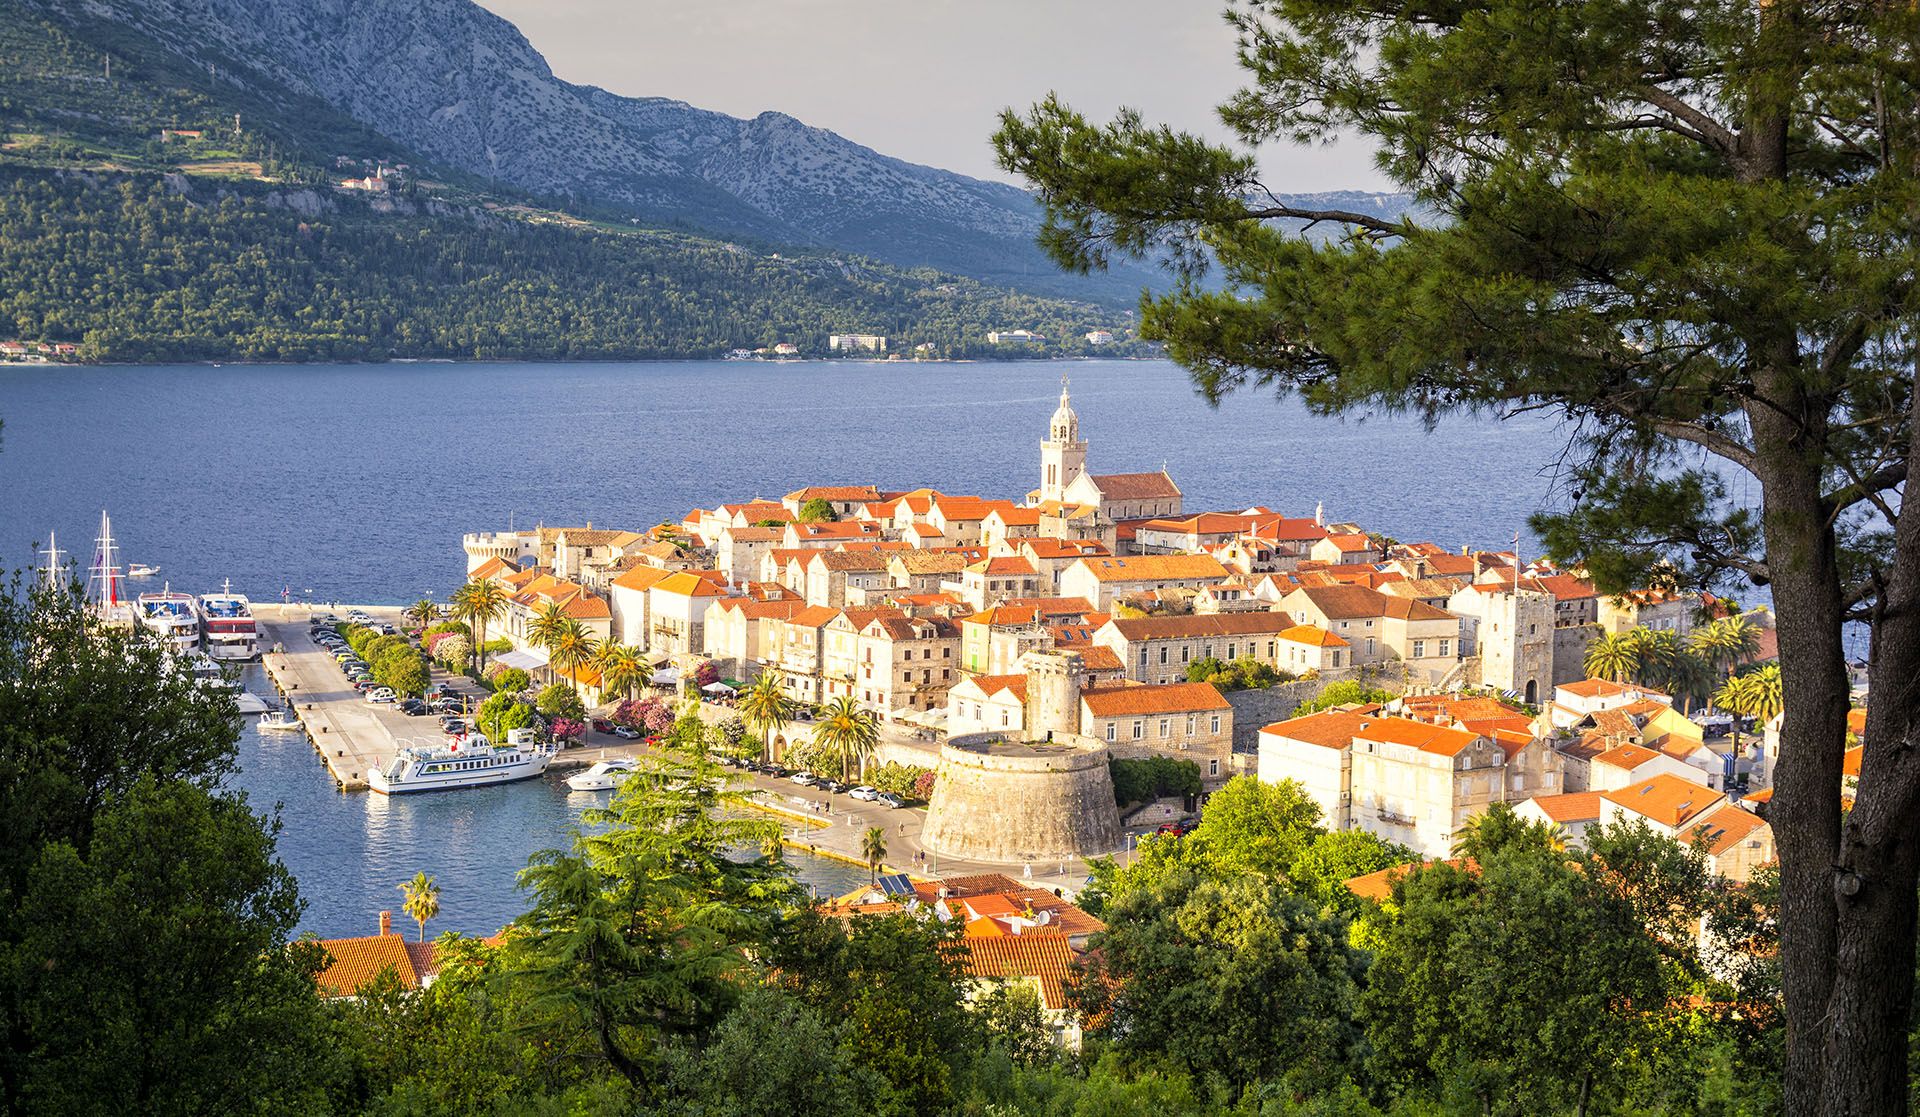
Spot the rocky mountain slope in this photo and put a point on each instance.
(465, 88)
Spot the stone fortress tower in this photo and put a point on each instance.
(1063, 456)
(1048, 798)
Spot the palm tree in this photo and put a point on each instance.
(1766, 700)
(547, 625)
(1613, 657)
(873, 846)
(480, 603)
(1726, 643)
(422, 900)
(622, 667)
(423, 611)
(848, 733)
(766, 709)
(573, 647)
(1738, 696)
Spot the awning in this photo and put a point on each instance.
(717, 688)
(525, 661)
(666, 676)
(932, 719)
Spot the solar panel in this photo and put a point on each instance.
(896, 884)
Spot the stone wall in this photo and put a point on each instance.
(1254, 710)
(1014, 803)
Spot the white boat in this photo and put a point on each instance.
(251, 703)
(279, 719)
(103, 578)
(227, 626)
(170, 616)
(141, 570)
(603, 776)
(458, 762)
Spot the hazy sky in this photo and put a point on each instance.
(919, 79)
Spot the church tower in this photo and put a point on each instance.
(1063, 457)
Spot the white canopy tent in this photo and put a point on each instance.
(525, 661)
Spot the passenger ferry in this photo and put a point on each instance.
(172, 617)
(458, 762)
(227, 626)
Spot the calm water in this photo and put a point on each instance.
(356, 482)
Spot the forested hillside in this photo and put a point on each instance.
(151, 268)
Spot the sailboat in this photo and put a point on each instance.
(51, 574)
(103, 578)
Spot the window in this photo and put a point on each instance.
(1215, 726)
(1206, 651)
(1213, 767)
(1163, 653)
(1166, 728)
(945, 653)
(1186, 652)
(946, 672)
(1139, 730)
(1232, 650)
(1143, 657)
(1419, 649)
(1110, 731)
(1444, 646)
(1191, 719)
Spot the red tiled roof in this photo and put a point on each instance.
(1202, 624)
(1577, 806)
(1136, 486)
(1151, 568)
(1332, 729)
(1437, 739)
(355, 962)
(1035, 953)
(1666, 799)
(1120, 701)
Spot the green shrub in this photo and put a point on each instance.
(897, 778)
(511, 680)
(406, 674)
(499, 645)
(559, 700)
(1245, 673)
(1147, 778)
(1343, 693)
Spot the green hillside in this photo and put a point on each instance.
(238, 245)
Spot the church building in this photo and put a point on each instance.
(1064, 480)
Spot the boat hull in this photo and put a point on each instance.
(532, 768)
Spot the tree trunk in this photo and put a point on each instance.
(1878, 863)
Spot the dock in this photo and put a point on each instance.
(348, 733)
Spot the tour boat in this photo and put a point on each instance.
(227, 625)
(141, 570)
(279, 719)
(472, 761)
(170, 616)
(103, 577)
(603, 776)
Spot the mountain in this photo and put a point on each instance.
(464, 88)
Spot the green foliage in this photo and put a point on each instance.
(1346, 692)
(511, 680)
(1147, 778)
(125, 867)
(405, 672)
(901, 779)
(1235, 979)
(817, 511)
(497, 646)
(560, 700)
(1245, 673)
(446, 626)
(500, 713)
(773, 1054)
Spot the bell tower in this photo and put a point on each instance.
(1063, 457)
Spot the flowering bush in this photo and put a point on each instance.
(509, 679)
(658, 718)
(567, 729)
(648, 714)
(451, 649)
(706, 673)
(923, 785)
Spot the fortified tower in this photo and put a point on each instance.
(482, 546)
(1047, 798)
(1063, 457)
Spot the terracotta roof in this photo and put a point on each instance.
(492, 568)
(1063, 548)
(1202, 624)
(1350, 544)
(1099, 657)
(755, 534)
(990, 685)
(586, 537)
(1120, 701)
(641, 578)
(355, 962)
(1857, 721)
(1065, 916)
(1726, 828)
(1627, 757)
(1437, 739)
(850, 562)
(1349, 602)
(689, 584)
(586, 607)
(929, 562)
(1851, 759)
(862, 493)
(1311, 635)
(779, 608)
(1667, 800)
(814, 616)
(1379, 885)
(1151, 568)
(1017, 517)
(1006, 566)
(1035, 953)
(1135, 486)
(1332, 729)
(837, 529)
(1577, 806)
(1602, 688)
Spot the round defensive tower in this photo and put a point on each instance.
(1027, 801)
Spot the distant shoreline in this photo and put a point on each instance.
(206, 363)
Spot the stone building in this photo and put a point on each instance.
(1512, 633)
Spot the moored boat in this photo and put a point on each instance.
(471, 761)
(279, 719)
(603, 776)
(171, 616)
(227, 626)
(141, 570)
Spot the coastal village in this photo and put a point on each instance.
(1018, 647)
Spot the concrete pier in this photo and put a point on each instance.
(351, 735)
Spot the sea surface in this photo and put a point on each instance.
(355, 482)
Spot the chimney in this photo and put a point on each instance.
(386, 923)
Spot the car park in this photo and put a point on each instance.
(864, 793)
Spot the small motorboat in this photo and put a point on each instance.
(251, 703)
(603, 776)
(279, 719)
(142, 570)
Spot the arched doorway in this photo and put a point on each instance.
(1533, 692)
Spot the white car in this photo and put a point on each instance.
(865, 793)
(801, 777)
(380, 694)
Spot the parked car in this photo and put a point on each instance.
(890, 799)
(449, 705)
(836, 787)
(1177, 829)
(864, 793)
(602, 725)
(413, 708)
(803, 778)
(380, 694)
(447, 690)
(625, 732)
(366, 684)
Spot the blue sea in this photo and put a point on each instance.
(355, 482)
